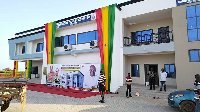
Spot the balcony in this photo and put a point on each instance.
(148, 42)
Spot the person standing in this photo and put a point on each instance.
(163, 76)
(128, 82)
(101, 83)
(152, 79)
(197, 92)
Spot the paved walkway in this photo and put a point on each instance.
(45, 102)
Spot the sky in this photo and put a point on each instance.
(21, 15)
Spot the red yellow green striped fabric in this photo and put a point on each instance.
(15, 69)
(105, 19)
(28, 68)
(50, 31)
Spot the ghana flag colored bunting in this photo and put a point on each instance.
(15, 69)
(28, 68)
(50, 31)
(105, 19)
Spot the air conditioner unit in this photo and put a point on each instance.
(68, 47)
(94, 44)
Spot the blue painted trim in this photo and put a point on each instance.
(28, 56)
(12, 46)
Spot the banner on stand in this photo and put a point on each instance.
(75, 76)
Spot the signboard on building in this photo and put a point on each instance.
(182, 2)
(74, 21)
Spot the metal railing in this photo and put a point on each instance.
(156, 38)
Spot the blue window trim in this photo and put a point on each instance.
(169, 70)
(132, 72)
(190, 55)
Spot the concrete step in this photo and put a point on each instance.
(145, 92)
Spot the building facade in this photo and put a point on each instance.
(147, 34)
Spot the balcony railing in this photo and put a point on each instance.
(155, 38)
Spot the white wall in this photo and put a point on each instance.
(149, 25)
(117, 57)
(93, 57)
(159, 59)
(146, 7)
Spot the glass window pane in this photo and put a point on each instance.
(57, 42)
(41, 46)
(90, 36)
(198, 34)
(66, 40)
(23, 50)
(172, 74)
(198, 10)
(198, 22)
(194, 55)
(192, 35)
(96, 35)
(190, 11)
(135, 70)
(191, 23)
(81, 38)
(167, 70)
(72, 39)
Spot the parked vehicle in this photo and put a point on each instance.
(183, 99)
(12, 89)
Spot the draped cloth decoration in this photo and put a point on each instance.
(15, 69)
(105, 19)
(50, 31)
(28, 68)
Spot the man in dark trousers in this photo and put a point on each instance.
(152, 79)
(197, 92)
(101, 82)
(128, 82)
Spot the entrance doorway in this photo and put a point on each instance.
(147, 68)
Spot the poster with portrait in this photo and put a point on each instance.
(53, 75)
(74, 76)
(91, 74)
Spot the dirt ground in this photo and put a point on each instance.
(10, 76)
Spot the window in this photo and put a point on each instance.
(170, 69)
(81, 38)
(40, 47)
(142, 36)
(135, 70)
(193, 22)
(66, 40)
(194, 55)
(59, 41)
(72, 39)
(87, 37)
(23, 49)
(90, 36)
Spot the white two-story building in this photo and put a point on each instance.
(147, 34)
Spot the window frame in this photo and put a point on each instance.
(197, 27)
(132, 72)
(198, 54)
(169, 70)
